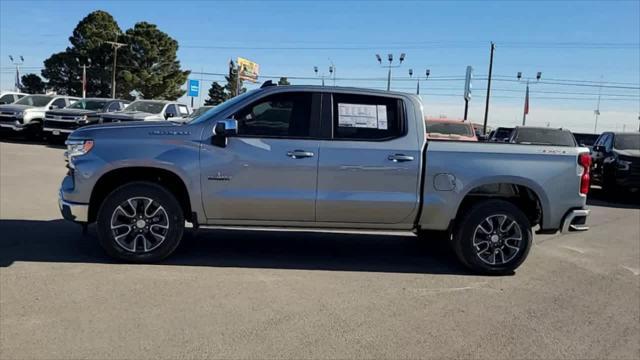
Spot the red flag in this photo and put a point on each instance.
(526, 101)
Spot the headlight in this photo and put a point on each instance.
(623, 165)
(77, 148)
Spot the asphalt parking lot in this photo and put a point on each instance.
(228, 294)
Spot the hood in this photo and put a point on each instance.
(68, 112)
(14, 107)
(630, 152)
(131, 115)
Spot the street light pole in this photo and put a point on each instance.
(116, 46)
(597, 110)
(390, 66)
(525, 110)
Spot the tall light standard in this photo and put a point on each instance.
(116, 46)
(17, 64)
(526, 97)
(596, 112)
(315, 70)
(427, 73)
(390, 66)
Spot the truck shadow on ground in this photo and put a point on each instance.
(60, 241)
(56, 143)
(620, 200)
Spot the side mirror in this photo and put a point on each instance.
(52, 107)
(222, 130)
(598, 148)
(168, 115)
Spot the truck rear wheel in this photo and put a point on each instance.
(493, 237)
(140, 222)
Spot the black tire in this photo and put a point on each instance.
(139, 191)
(469, 239)
(34, 131)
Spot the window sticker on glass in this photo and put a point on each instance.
(362, 116)
(382, 117)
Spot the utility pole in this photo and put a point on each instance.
(525, 111)
(596, 112)
(486, 107)
(84, 76)
(390, 66)
(116, 46)
(17, 64)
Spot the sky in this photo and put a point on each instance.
(593, 44)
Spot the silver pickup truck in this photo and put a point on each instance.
(321, 159)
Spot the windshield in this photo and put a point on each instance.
(223, 107)
(462, 129)
(34, 100)
(544, 137)
(151, 107)
(201, 110)
(88, 104)
(627, 142)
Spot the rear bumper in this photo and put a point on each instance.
(73, 211)
(575, 220)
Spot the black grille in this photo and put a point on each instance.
(8, 119)
(66, 125)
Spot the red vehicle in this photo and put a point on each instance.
(445, 129)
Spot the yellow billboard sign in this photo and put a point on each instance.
(248, 70)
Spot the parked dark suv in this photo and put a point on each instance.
(81, 113)
(616, 161)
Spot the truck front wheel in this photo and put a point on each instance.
(493, 237)
(140, 222)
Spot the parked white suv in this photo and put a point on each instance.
(9, 97)
(28, 112)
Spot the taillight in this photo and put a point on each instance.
(584, 160)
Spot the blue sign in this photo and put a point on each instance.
(194, 88)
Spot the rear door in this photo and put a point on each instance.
(268, 172)
(369, 171)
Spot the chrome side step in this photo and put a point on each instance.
(312, 230)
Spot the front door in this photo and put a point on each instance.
(268, 172)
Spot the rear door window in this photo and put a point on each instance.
(364, 117)
(184, 111)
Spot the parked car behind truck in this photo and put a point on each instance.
(442, 129)
(149, 110)
(27, 114)
(531, 135)
(616, 161)
(322, 158)
(83, 112)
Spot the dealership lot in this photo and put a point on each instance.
(231, 294)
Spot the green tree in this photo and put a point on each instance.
(63, 73)
(232, 81)
(88, 46)
(32, 84)
(150, 63)
(217, 95)
(283, 81)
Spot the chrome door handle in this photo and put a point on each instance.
(299, 154)
(400, 158)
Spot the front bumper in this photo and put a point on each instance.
(575, 220)
(73, 211)
(13, 125)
